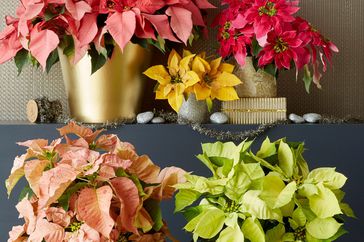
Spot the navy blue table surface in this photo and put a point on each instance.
(338, 146)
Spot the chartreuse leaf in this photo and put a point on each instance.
(347, 210)
(328, 176)
(272, 187)
(222, 150)
(266, 163)
(302, 167)
(286, 195)
(203, 185)
(255, 206)
(276, 234)
(308, 190)
(192, 212)
(231, 234)
(325, 203)
(237, 185)
(323, 228)
(210, 223)
(299, 217)
(267, 149)
(253, 230)
(205, 159)
(185, 198)
(285, 159)
(253, 170)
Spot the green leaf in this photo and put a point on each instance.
(97, 60)
(231, 234)
(271, 70)
(205, 159)
(209, 104)
(154, 209)
(68, 46)
(328, 176)
(347, 210)
(323, 228)
(253, 230)
(302, 167)
(21, 59)
(50, 14)
(52, 59)
(276, 234)
(325, 203)
(210, 223)
(266, 163)
(185, 198)
(256, 47)
(307, 78)
(192, 212)
(285, 159)
(26, 192)
(65, 198)
(267, 149)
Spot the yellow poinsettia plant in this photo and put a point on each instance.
(191, 73)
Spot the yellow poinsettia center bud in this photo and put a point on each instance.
(300, 234)
(176, 79)
(231, 206)
(75, 226)
(269, 9)
(227, 25)
(225, 35)
(208, 80)
(280, 46)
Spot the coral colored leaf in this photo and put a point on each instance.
(46, 231)
(122, 26)
(77, 9)
(167, 178)
(42, 43)
(128, 195)
(33, 171)
(94, 209)
(144, 168)
(54, 182)
(80, 131)
(17, 172)
(181, 22)
(25, 209)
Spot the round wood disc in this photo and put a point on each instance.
(32, 111)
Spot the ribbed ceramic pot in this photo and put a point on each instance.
(193, 111)
(255, 83)
(113, 92)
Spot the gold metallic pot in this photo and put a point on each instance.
(110, 94)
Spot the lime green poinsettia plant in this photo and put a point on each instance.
(268, 196)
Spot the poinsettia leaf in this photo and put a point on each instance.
(347, 210)
(17, 172)
(325, 203)
(52, 59)
(323, 228)
(328, 176)
(299, 217)
(307, 78)
(231, 234)
(267, 149)
(97, 60)
(64, 200)
(192, 212)
(26, 192)
(271, 69)
(154, 209)
(121, 26)
(237, 185)
(275, 234)
(210, 223)
(253, 230)
(181, 22)
(21, 59)
(93, 208)
(285, 159)
(185, 198)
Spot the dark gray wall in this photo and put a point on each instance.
(338, 146)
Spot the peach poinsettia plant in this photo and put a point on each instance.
(95, 26)
(92, 188)
(191, 73)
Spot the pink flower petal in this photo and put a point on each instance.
(181, 22)
(77, 9)
(161, 24)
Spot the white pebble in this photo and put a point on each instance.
(296, 118)
(158, 120)
(219, 118)
(312, 117)
(144, 118)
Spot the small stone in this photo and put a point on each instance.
(219, 118)
(144, 118)
(312, 117)
(158, 120)
(296, 118)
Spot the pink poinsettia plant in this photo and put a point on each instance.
(95, 26)
(91, 188)
(269, 31)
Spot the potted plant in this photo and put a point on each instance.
(96, 43)
(268, 196)
(91, 188)
(191, 82)
(274, 39)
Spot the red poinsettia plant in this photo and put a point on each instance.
(95, 26)
(91, 188)
(269, 31)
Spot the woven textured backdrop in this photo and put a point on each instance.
(343, 85)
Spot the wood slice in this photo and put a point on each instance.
(32, 111)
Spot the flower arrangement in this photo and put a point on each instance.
(268, 196)
(268, 31)
(95, 26)
(192, 73)
(93, 188)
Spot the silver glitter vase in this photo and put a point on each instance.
(193, 111)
